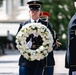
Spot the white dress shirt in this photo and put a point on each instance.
(33, 21)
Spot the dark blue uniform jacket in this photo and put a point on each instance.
(42, 63)
(70, 61)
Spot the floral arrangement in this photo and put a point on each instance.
(43, 50)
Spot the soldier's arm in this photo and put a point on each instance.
(56, 43)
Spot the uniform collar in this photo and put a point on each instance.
(32, 21)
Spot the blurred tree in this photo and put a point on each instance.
(1, 2)
(61, 11)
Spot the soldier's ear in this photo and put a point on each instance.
(29, 11)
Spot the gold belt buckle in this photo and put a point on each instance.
(33, 46)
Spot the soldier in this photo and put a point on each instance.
(70, 60)
(45, 16)
(35, 67)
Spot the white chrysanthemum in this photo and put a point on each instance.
(43, 50)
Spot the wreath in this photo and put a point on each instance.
(42, 51)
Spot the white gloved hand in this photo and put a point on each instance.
(74, 73)
(35, 35)
(29, 43)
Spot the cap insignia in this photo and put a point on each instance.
(34, 2)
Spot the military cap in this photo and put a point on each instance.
(44, 14)
(34, 2)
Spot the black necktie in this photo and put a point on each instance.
(35, 21)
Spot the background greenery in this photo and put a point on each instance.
(61, 12)
(1, 2)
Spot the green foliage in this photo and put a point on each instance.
(1, 2)
(61, 12)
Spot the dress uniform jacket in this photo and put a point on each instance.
(70, 61)
(41, 63)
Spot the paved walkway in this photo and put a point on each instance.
(9, 63)
(60, 63)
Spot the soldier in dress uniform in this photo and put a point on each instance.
(27, 67)
(45, 16)
(56, 44)
(70, 60)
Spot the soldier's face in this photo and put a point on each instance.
(34, 14)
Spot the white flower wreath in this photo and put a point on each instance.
(43, 50)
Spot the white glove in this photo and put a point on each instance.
(29, 43)
(35, 35)
(74, 73)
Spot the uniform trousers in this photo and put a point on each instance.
(35, 71)
(70, 72)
